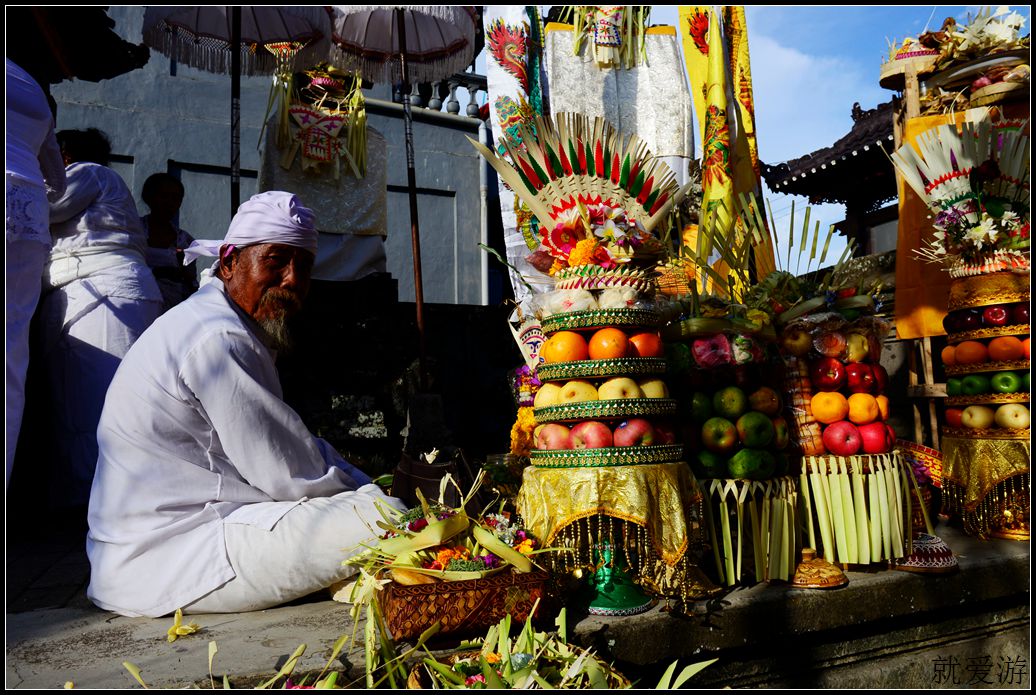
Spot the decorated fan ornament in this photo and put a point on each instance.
(976, 183)
(596, 193)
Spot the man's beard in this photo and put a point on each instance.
(276, 306)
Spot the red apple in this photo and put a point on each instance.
(1019, 314)
(827, 374)
(635, 432)
(552, 436)
(859, 377)
(953, 417)
(591, 434)
(970, 320)
(876, 438)
(719, 435)
(995, 315)
(892, 434)
(881, 378)
(665, 433)
(765, 400)
(842, 438)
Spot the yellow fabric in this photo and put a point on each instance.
(694, 33)
(662, 30)
(979, 465)
(921, 288)
(746, 149)
(657, 497)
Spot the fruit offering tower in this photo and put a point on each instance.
(607, 483)
(734, 423)
(986, 447)
(975, 180)
(855, 486)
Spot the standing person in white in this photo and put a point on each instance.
(99, 297)
(211, 494)
(34, 173)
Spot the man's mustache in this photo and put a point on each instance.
(285, 300)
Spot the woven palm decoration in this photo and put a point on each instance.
(976, 182)
(573, 166)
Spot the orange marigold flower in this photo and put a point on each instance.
(492, 658)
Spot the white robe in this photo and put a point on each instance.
(34, 171)
(194, 431)
(102, 296)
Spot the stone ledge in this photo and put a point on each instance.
(777, 636)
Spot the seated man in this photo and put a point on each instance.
(210, 494)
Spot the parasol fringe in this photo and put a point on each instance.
(206, 54)
(384, 68)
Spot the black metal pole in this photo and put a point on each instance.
(415, 231)
(235, 109)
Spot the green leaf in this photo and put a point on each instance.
(286, 669)
(691, 671)
(667, 677)
(135, 672)
(226, 682)
(492, 677)
(444, 671)
(561, 622)
(212, 654)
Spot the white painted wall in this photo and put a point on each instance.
(181, 124)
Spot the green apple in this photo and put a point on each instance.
(719, 435)
(975, 385)
(730, 402)
(701, 406)
(1006, 382)
(709, 465)
(1025, 382)
(755, 430)
(857, 347)
(754, 464)
(953, 386)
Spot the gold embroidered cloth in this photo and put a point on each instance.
(658, 497)
(979, 465)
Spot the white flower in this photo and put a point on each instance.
(1010, 217)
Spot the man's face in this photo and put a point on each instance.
(269, 282)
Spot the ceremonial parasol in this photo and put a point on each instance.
(256, 40)
(400, 44)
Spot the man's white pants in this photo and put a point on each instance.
(303, 553)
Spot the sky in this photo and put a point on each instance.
(809, 65)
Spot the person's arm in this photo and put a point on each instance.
(262, 436)
(53, 167)
(81, 190)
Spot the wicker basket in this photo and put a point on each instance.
(465, 607)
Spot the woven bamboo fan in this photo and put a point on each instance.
(572, 159)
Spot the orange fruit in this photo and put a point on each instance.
(1006, 349)
(863, 409)
(608, 343)
(971, 352)
(949, 355)
(1025, 347)
(646, 345)
(829, 407)
(565, 346)
(883, 406)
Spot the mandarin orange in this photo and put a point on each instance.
(829, 407)
(1006, 348)
(863, 409)
(883, 406)
(564, 346)
(971, 352)
(608, 343)
(949, 355)
(646, 345)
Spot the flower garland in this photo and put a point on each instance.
(592, 233)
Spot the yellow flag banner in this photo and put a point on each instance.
(746, 152)
(694, 34)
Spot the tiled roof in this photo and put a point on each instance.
(854, 169)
